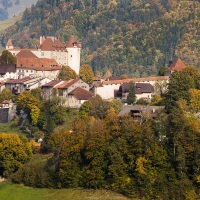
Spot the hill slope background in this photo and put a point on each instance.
(11, 8)
(131, 37)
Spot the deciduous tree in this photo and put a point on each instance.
(86, 73)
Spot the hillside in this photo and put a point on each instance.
(128, 37)
(11, 8)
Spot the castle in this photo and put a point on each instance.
(52, 48)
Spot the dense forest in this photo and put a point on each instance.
(132, 37)
(94, 148)
(128, 37)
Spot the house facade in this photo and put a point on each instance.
(7, 71)
(108, 89)
(77, 97)
(18, 86)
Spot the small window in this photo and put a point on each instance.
(71, 56)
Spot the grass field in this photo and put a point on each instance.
(10, 191)
(5, 24)
(9, 127)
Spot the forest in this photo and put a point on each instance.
(94, 148)
(127, 37)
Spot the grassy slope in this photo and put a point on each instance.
(10, 191)
(7, 23)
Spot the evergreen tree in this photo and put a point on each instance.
(131, 95)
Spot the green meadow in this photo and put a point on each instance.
(10, 191)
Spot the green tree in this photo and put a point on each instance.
(6, 94)
(131, 95)
(14, 152)
(179, 86)
(7, 58)
(37, 93)
(86, 73)
(66, 73)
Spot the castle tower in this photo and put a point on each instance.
(73, 54)
(9, 45)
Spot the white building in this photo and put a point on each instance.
(52, 48)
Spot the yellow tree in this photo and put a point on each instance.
(31, 105)
(13, 153)
(86, 73)
(195, 99)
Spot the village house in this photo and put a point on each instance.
(142, 90)
(107, 89)
(7, 71)
(18, 86)
(77, 97)
(64, 88)
(7, 111)
(138, 112)
(37, 67)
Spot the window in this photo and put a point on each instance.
(71, 56)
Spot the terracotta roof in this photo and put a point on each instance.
(51, 84)
(7, 68)
(72, 42)
(150, 78)
(9, 43)
(178, 64)
(22, 80)
(26, 53)
(50, 45)
(81, 94)
(69, 83)
(39, 64)
(5, 102)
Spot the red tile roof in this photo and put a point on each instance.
(50, 45)
(9, 43)
(69, 83)
(51, 84)
(26, 53)
(81, 94)
(178, 64)
(72, 42)
(39, 64)
(150, 78)
(5, 102)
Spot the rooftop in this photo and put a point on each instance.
(81, 94)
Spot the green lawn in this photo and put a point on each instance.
(9, 127)
(10, 191)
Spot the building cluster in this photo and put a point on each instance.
(39, 68)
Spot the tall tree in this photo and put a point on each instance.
(131, 95)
